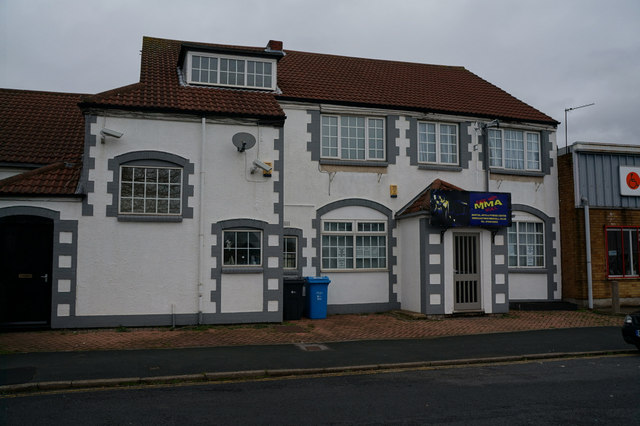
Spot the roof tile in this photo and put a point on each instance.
(55, 179)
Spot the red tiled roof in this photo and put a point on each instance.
(403, 85)
(422, 203)
(316, 77)
(160, 89)
(40, 127)
(55, 179)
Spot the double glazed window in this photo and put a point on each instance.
(437, 143)
(526, 245)
(514, 149)
(352, 138)
(350, 245)
(242, 248)
(150, 190)
(228, 71)
(622, 252)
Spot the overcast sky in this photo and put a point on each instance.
(551, 54)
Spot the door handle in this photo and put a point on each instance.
(45, 277)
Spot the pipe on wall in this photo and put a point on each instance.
(587, 236)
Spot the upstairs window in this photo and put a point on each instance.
(352, 138)
(230, 71)
(514, 149)
(438, 143)
(150, 190)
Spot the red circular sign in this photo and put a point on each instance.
(633, 180)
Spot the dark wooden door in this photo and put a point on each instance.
(26, 246)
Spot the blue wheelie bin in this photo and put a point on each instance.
(317, 297)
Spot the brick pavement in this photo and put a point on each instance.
(335, 328)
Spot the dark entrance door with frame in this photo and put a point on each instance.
(466, 272)
(26, 252)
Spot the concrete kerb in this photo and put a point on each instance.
(230, 376)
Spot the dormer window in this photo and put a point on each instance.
(230, 71)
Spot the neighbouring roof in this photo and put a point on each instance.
(55, 179)
(421, 204)
(313, 77)
(40, 127)
(44, 131)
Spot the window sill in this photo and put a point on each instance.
(528, 271)
(360, 163)
(333, 271)
(441, 167)
(622, 277)
(242, 269)
(517, 172)
(141, 218)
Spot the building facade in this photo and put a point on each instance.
(599, 187)
(193, 193)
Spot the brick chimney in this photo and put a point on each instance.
(274, 45)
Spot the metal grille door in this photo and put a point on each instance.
(466, 274)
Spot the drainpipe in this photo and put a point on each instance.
(587, 236)
(201, 219)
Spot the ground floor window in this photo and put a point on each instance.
(242, 248)
(350, 245)
(290, 252)
(622, 252)
(526, 244)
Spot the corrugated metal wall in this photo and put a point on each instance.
(599, 179)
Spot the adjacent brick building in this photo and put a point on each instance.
(602, 177)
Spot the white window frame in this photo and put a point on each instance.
(531, 159)
(228, 245)
(357, 259)
(293, 253)
(150, 191)
(371, 135)
(246, 59)
(530, 255)
(439, 142)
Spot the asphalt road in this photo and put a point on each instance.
(602, 390)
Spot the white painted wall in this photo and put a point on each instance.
(409, 263)
(128, 268)
(308, 187)
(527, 286)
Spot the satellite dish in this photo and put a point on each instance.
(243, 141)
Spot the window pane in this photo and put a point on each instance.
(614, 251)
(376, 139)
(514, 149)
(329, 136)
(290, 252)
(427, 143)
(495, 148)
(448, 144)
(630, 250)
(533, 151)
(352, 140)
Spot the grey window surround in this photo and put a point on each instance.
(464, 141)
(149, 158)
(301, 262)
(315, 144)
(546, 162)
